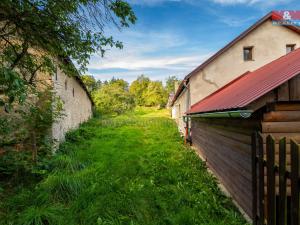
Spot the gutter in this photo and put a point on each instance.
(226, 114)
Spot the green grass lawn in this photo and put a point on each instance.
(130, 169)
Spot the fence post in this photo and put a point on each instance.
(254, 178)
(295, 174)
(271, 193)
(261, 174)
(282, 220)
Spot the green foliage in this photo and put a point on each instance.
(25, 139)
(119, 82)
(170, 84)
(41, 215)
(37, 37)
(78, 135)
(91, 83)
(13, 89)
(10, 163)
(42, 114)
(63, 188)
(148, 93)
(113, 98)
(138, 88)
(67, 163)
(66, 28)
(155, 94)
(136, 171)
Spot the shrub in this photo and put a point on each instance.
(79, 135)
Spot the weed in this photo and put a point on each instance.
(44, 215)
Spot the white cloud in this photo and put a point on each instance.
(252, 2)
(137, 62)
(231, 2)
(150, 2)
(130, 76)
(152, 53)
(269, 3)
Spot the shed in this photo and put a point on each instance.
(265, 100)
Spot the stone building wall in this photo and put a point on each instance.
(180, 107)
(77, 104)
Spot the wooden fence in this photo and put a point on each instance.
(276, 181)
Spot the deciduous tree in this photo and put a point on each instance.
(170, 84)
(38, 35)
(113, 97)
(138, 89)
(155, 95)
(91, 83)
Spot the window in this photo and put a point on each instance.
(73, 92)
(248, 53)
(66, 85)
(290, 48)
(56, 73)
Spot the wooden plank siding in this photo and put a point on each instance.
(282, 121)
(225, 144)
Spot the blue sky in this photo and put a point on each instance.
(172, 37)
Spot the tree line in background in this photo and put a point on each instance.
(116, 96)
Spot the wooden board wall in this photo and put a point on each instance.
(226, 146)
(283, 120)
(287, 92)
(290, 90)
(225, 143)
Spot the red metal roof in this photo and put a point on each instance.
(272, 15)
(251, 85)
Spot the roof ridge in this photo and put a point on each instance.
(269, 15)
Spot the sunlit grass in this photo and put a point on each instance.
(130, 169)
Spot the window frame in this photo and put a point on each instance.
(250, 48)
(56, 75)
(292, 46)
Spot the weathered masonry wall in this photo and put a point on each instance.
(180, 107)
(269, 43)
(77, 105)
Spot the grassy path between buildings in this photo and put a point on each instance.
(131, 169)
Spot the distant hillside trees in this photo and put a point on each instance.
(113, 97)
(116, 96)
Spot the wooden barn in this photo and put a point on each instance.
(266, 100)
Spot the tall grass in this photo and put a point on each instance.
(130, 169)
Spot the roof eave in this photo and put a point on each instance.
(238, 113)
